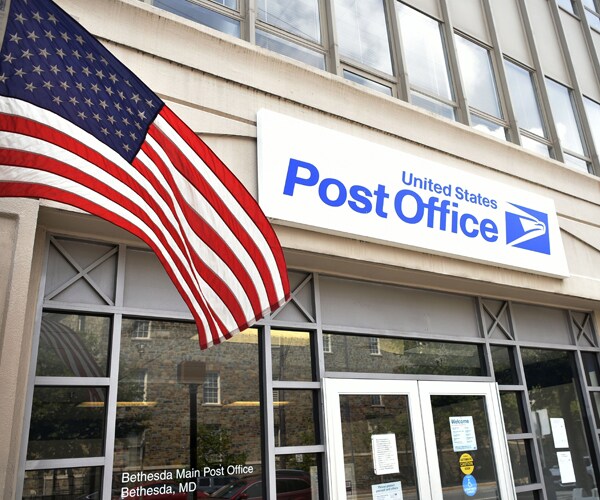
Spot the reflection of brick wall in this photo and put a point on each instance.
(154, 434)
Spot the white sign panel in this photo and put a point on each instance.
(559, 433)
(387, 491)
(565, 467)
(385, 454)
(463, 433)
(314, 177)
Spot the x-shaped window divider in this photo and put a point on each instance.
(82, 273)
(584, 329)
(297, 303)
(496, 323)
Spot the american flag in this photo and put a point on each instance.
(80, 128)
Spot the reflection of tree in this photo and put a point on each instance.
(216, 448)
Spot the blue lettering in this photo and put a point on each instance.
(360, 199)
(463, 225)
(293, 176)
(341, 196)
(398, 206)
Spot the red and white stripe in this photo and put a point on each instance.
(176, 195)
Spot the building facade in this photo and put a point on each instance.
(412, 361)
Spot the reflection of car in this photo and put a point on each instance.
(294, 485)
(209, 484)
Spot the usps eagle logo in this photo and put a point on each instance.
(528, 229)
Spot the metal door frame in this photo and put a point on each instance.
(423, 435)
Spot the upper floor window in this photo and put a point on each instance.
(300, 17)
(592, 13)
(362, 33)
(592, 109)
(567, 124)
(203, 15)
(426, 62)
(292, 29)
(567, 5)
(211, 393)
(527, 110)
(480, 87)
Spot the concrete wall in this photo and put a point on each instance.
(19, 273)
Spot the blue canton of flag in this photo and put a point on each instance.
(51, 62)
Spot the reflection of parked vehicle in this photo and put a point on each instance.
(209, 484)
(292, 486)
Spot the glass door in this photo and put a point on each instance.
(396, 439)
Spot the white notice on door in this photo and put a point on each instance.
(565, 467)
(385, 454)
(387, 491)
(463, 433)
(559, 432)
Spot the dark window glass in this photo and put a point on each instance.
(80, 483)
(559, 421)
(301, 471)
(520, 460)
(294, 417)
(504, 365)
(291, 355)
(73, 345)
(352, 353)
(512, 409)
(67, 422)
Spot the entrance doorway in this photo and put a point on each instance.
(408, 440)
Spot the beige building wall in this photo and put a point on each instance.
(217, 84)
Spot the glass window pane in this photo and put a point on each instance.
(424, 52)
(73, 345)
(362, 32)
(593, 19)
(595, 397)
(80, 483)
(202, 15)
(294, 417)
(592, 109)
(291, 355)
(576, 162)
(478, 76)
(444, 409)
(592, 369)
(298, 474)
(290, 49)
(535, 146)
(566, 4)
(512, 411)
(367, 83)
(232, 4)
(504, 366)
(67, 422)
(520, 459)
(524, 100)
(564, 116)
(488, 127)
(553, 395)
(528, 495)
(352, 353)
(300, 17)
(180, 408)
(432, 105)
(360, 420)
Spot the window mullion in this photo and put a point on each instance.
(458, 85)
(332, 63)
(398, 58)
(249, 23)
(498, 59)
(541, 87)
